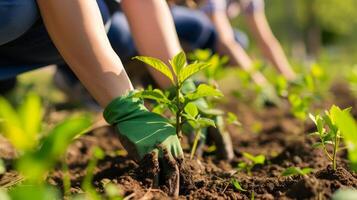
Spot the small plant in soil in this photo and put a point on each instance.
(237, 185)
(328, 133)
(294, 171)
(180, 104)
(38, 152)
(251, 162)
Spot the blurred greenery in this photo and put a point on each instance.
(332, 22)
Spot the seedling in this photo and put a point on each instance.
(251, 163)
(217, 64)
(329, 132)
(348, 128)
(293, 171)
(232, 119)
(22, 129)
(237, 185)
(299, 106)
(98, 154)
(180, 104)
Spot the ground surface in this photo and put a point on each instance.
(282, 139)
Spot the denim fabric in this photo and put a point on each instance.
(16, 17)
(30, 46)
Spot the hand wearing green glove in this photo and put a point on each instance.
(141, 131)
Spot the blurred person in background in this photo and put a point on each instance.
(227, 39)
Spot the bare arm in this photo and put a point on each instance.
(227, 45)
(154, 32)
(268, 43)
(77, 30)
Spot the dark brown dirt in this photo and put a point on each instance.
(282, 139)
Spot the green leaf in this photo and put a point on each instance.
(237, 186)
(348, 127)
(306, 170)
(233, 119)
(38, 192)
(260, 159)
(191, 109)
(317, 145)
(291, 171)
(203, 90)
(158, 65)
(8, 113)
(57, 141)
(178, 62)
(190, 70)
(156, 95)
(205, 122)
(31, 113)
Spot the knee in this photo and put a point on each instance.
(16, 17)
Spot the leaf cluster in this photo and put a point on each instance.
(181, 103)
(251, 162)
(329, 126)
(293, 171)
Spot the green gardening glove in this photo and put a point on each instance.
(140, 131)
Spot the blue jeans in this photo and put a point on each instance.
(28, 46)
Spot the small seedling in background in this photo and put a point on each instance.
(232, 119)
(299, 106)
(217, 64)
(348, 128)
(252, 161)
(237, 185)
(87, 186)
(328, 132)
(293, 171)
(38, 152)
(180, 104)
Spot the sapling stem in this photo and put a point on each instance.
(179, 112)
(335, 149)
(66, 179)
(195, 143)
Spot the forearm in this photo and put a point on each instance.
(227, 45)
(154, 32)
(80, 37)
(275, 54)
(269, 44)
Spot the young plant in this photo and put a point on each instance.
(90, 191)
(299, 106)
(38, 152)
(293, 171)
(329, 132)
(348, 128)
(180, 103)
(237, 185)
(217, 64)
(252, 161)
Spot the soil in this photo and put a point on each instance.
(282, 139)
